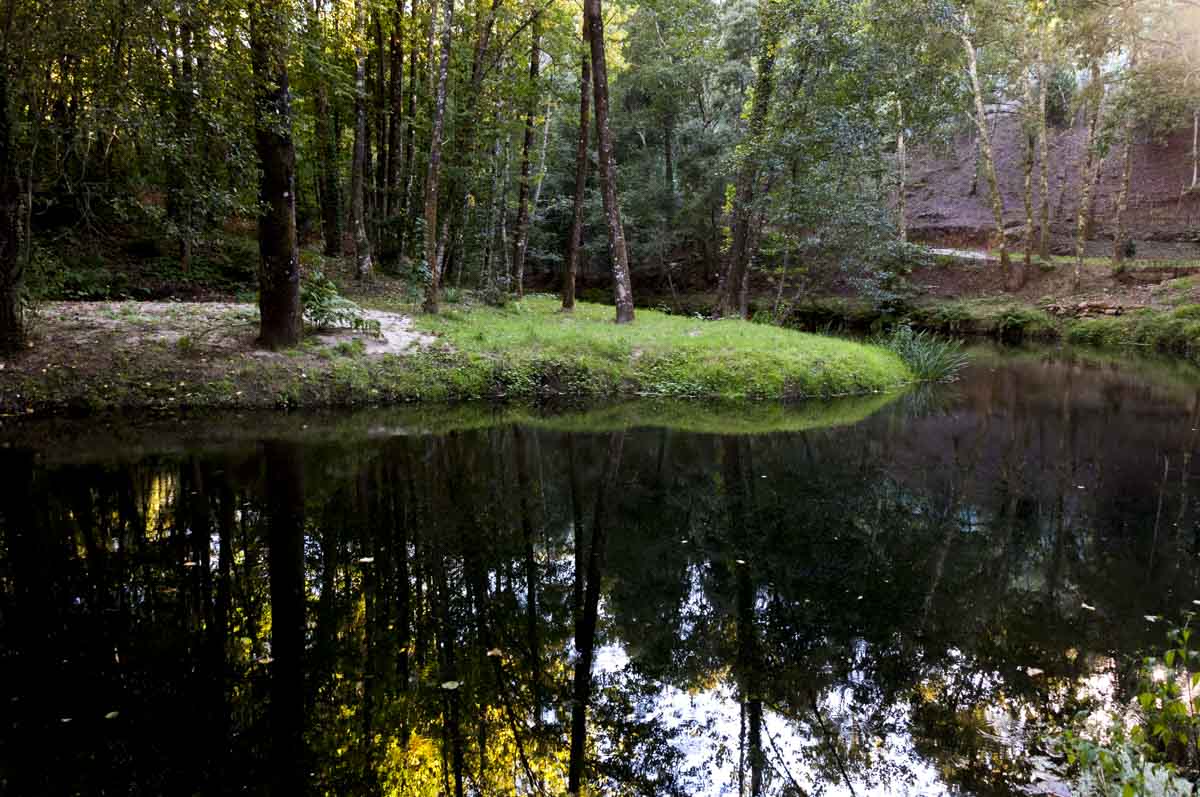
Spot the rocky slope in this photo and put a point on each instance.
(1164, 217)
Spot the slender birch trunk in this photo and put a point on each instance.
(1043, 147)
(363, 265)
(521, 237)
(902, 164)
(1089, 172)
(985, 146)
(433, 287)
(575, 239)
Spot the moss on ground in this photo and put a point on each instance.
(532, 349)
(525, 351)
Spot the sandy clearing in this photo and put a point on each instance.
(225, 326)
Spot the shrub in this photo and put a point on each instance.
(929, 357)
(324, 307)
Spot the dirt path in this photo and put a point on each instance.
(214, 328)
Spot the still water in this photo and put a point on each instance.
(895, 596)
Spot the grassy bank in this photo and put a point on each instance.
(94, 358)
(1166, 329)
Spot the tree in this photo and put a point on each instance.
(618, 253)
(279, 255)
(432, 250)
(12, 322)
(521, 237)
(985, 142)
(363, 263)
(733, 299)
(575, 236)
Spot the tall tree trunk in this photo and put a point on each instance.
(182, 197)
(12, 266)
(902, 170)
(1195, 148)
(433, 287)
(1089, 172)
(457, 189)
(733, 296)
(1043, 146)
(1029, 123)
(363, 264)
(285, 523)
(1121, 233)
(279, 256)
(410, 137)
(575, 238)
(618, 251)
(330, 195)
(521, 233)
(395, 175)
(585, 629)
(382, 107)
(985, 147)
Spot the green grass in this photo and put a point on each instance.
(530, 349)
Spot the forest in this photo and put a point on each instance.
(743, 149)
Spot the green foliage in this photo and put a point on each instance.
(1159, 753)
(930, 358)
(325, 307)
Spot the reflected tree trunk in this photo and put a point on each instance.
(585, 629)
(285, 534)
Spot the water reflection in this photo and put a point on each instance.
(891, 607)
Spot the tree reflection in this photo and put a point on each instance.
(514, 611)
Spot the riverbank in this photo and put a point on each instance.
(104, 356)
(1150, 305)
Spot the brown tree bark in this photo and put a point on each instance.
(733, 295)
(575, 238)
(985, 147)
(363, 264)
(521, 233)
(618, 251)
(279, 256)
(433, 286)
(12, 266)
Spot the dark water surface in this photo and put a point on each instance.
(359, 605)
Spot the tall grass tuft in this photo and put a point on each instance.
(930, 358)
